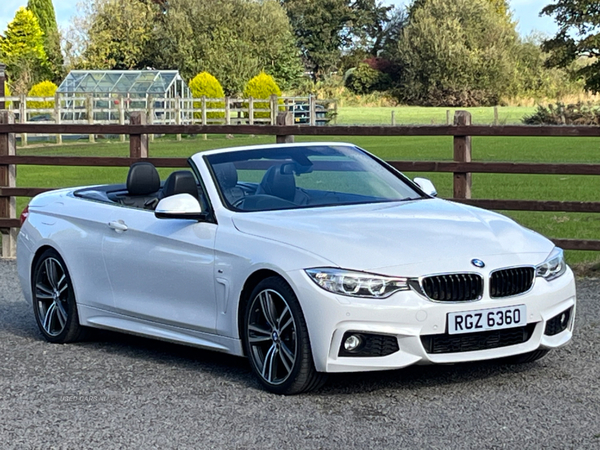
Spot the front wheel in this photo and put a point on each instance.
(276, 340)
(54, 304)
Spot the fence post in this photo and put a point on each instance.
(283, 119)
(8, 177)
(335, 112)
(227, 112)
(150, 114)
(2, 81)
(89, 107)
(57, 116)
(121, 116)
(138, 143)
(251, 110)
(393, 118)
(177, 117)
(495, 115)
(312, 110)
(23, 117)
(462, 153)
(204, 116)
(273, 103)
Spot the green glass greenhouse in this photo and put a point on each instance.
(110, 95)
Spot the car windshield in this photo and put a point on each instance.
(290, 177)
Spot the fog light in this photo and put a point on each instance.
(352, 342)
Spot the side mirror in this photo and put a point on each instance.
(180, 206)
(426, 186)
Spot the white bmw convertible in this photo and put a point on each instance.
(305, 258)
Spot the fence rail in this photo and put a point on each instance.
(462, 167)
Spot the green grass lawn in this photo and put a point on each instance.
(495, 186)
(410, 115)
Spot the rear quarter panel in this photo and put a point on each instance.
(74, 228)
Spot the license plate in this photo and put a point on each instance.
(487, 319)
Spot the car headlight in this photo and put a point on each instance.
(357, 284)
(553, 267)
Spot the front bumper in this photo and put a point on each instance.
(408, 316)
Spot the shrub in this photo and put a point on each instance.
(364, 80)
(204, 84)
(573, 114)
(262, 86)
(43, 89)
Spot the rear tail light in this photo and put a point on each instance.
(24, 215)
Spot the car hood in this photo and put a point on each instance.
(430, 234)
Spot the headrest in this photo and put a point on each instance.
(180, 182)
(276, 182)
(142, 179)
(226, 174)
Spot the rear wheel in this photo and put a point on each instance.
(54, 303)
(276, 340)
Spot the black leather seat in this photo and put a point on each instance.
(278, 183)
(227, 177)
(143, 183)
(180, 182)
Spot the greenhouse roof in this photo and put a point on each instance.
(139, 82)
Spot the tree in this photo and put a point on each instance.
(44, 12)
(116, 34)
(22, 49)
(454, 53)
(326, 29)
(232, 39)
(578, 37)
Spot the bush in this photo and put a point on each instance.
(573, 114)
(43, 89)
(262, 86)
(365, 80)
(204, 84)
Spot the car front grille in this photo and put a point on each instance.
(508, 282)
(470, 342)
(457, 287)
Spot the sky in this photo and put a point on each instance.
(526, 12)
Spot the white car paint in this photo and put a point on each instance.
(181, 280)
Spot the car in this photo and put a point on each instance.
(307, 258)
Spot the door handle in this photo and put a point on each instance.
(118, 225)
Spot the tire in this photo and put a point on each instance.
(54, 305)
(276, 340)
(526, 357)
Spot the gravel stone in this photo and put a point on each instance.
(123, 392)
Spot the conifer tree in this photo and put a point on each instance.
(22, 49)
(44, 11)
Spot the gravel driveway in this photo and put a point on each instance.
(118, 391)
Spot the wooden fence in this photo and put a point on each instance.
(285, 130)
(117, 109)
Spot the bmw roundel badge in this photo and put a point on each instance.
(478, 263)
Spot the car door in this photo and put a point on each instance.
(161, 269)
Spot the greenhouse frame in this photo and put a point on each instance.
(111, 95)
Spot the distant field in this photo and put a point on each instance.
(497, 186)
(410, 115)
